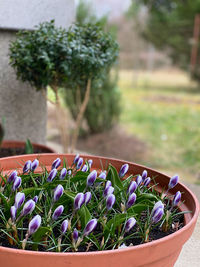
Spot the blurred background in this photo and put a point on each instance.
(149, 109)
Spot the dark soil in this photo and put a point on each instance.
(7, 152)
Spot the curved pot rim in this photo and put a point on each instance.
(94, 253)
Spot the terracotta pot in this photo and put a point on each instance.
(159, 253)
(21, 144)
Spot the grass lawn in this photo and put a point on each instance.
(163, 110)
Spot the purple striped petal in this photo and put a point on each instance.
(63, 173)
(12, 176)
(76, 158)
(57, 212)
(177, 198)
(64, 226)
(102, 175)
(91, 178)
(13, 212)
(144, 175)
(147, 181)
(19, 199)
(27, 166)
(79, 163)
(84, 168)
(157, 215)
(75, 235)
(130, 223)
(58, 192)
(131, 200)
(87, 198)
(52, 175)
(17, 183)
(28, 207)
(123, 170)
(34, 224)
(139, 180)
(107, 191)
(132, 187)
(56, 163)
(34, 165)
(110, 201)
(173, 181)
(91, 225)
(79, 201)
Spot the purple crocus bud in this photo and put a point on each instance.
(158, 214)
(64, 226)
(132, 187)
(131, 200)
(102, 175)
(28, 207)
(58, 192)
(123, 170)
(79, 163)
(90, 161)
(108, 183)
(57, 212)
(87, 198)
(13, 212)
(63, 173)
(91, 178)
(34, 164)
(17, 183)
(69, 172)
(173, 181)
(34, 224)
(107, 191)
(12, 176)
(75, 235)
(130, 223)
(27, 166)
(35, 199)
(56, 163)
(79, 201)
(52, 175)
(110, 201)
(76, 158)
(176, 199)
(19, 199)
(84, 168)
(90, 226)
(139, 180)
(158, 205)
(144, 175)
(147, 181)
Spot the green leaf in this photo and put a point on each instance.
(114, 177)
(146, 196)
(28, 147)
(38, 236)
(4, 200)
(85, 215)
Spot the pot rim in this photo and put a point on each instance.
(94, 253)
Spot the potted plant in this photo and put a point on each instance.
(86, 211)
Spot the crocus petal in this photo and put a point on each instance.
(79, 201)
(19, 199)
(107, 191)
(63, 173)
(27, 166)
(28, 207)
(90, 161)
(79, 163)
(56, 163)
(57, 212)
(75, 235)
(130, 223)
(35, 199)
(110, 201)
(52, 175)
(12, 177)
(84, 168)
(64, 226)
(158, 205)
(58, 192)
(91, 225)
(123, 170)
(17, 183)
(177, 198)
(76, 158)
(132, 187)
(91, 178)
(144, 175)
(34, 164)
(158, 214)
(147, 181)
(34, 224)
(139, 180)
(87, 198)
(13, 213)
(131, 200)
(173, 181)
(102, 175)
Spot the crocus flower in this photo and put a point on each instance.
(157, 216)
(158, 205)
(108, 190)
(147, 181)
(90, 161)
(91, 178)
(87, 197)
(13, 212)
(91, 225)
(17, 183)
(57, 212)
(64, 226)
(34, 164)
(144, 175)
(52, 175)
(35, 199)
(110, 201)
(75, 235)
(27, 166)
(58, 192)
(63, 173)
(56, 163)
(108, 183)
(130, 223)
(123, 170)
(76, 158)
(176, 199)
(131, 200)
(69, 172)
(79, 163)
(34, 224)
(173, 181)
(12, 176)
(84, 168)
(19, 199)
(79, 201)
(28, 207)
(139, 180)
(102, 175)
(132, 187)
